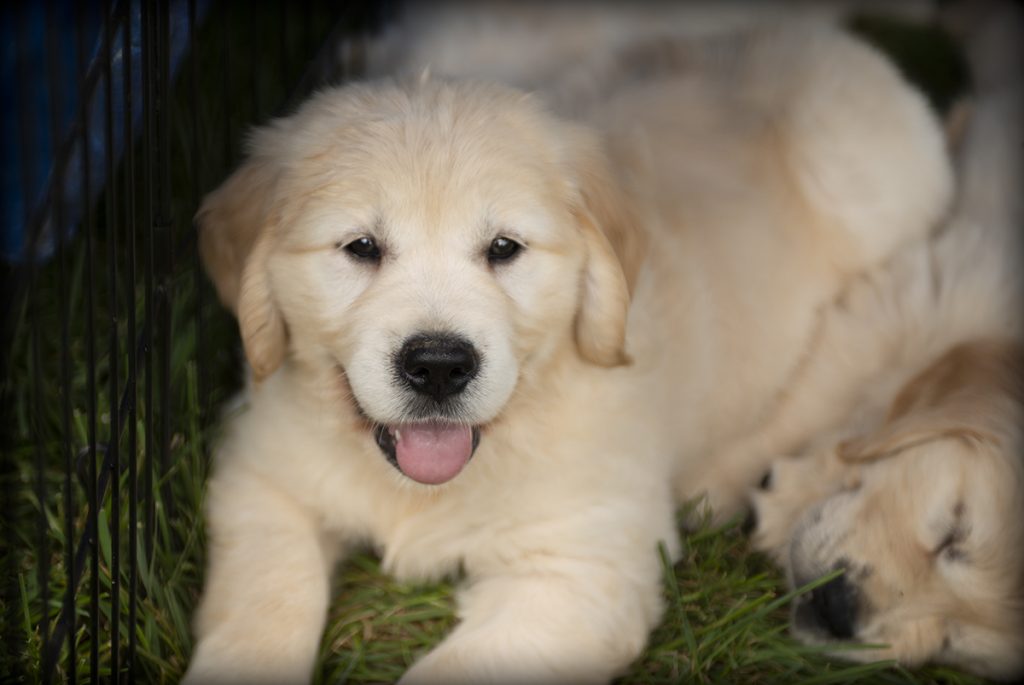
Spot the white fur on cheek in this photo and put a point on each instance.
(315, 291)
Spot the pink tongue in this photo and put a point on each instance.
(433, 453)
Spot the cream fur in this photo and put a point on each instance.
(736, 169)
(904, 422)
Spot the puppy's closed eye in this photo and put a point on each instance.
(951, 544)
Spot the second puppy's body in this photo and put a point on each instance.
(898, 450)
(733, 199)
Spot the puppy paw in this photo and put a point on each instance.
(791, 486)
(427, 671)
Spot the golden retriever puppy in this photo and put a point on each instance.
(925, 516)
(484, 337)
(911, 479)
(905, 424)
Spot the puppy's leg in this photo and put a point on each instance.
(265, 600)
(559, 621)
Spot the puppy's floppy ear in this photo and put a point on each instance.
(264, 333)
(234, 242)
(913, 430)
(614, 252)
(230, 220)
(973, 392)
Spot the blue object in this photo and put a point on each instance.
(28, 175)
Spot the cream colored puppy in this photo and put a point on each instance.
(925, 516)
(433, 283)
(904, 424)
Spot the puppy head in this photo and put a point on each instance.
(421, 252)
(931, 531)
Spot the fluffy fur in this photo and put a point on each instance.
(904, 427)
(923, 513)
(681, 238)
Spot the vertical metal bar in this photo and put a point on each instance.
(69, 453)
(128, 67)
(285, 58)
(29, 172)
(90, 311)
(256, 57)
(41, 491)
(147, 162)
(197, 183)
(307, 25)
(56, 88)
(164, 224)
(113, 459)
(226, 94)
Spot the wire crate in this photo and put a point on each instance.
(115, 350)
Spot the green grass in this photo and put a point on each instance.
(725, 622)
(727, 607)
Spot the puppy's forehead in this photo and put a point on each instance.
(434, 154)
(458, 130)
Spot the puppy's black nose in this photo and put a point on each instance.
(438, 366)
(833, 606)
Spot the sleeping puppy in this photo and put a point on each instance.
(925, 516)
(905, 423)
(484, 338)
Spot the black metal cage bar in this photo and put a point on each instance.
(114, 349)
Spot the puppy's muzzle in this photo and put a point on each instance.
(434, 443)
(438, 366)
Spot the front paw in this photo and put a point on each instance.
(785, 492)
(429, 670)
(448, 664)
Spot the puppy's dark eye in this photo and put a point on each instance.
(363, 248)
(502, 250)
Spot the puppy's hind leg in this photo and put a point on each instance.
(866, 154)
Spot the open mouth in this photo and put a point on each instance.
(430, 452)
